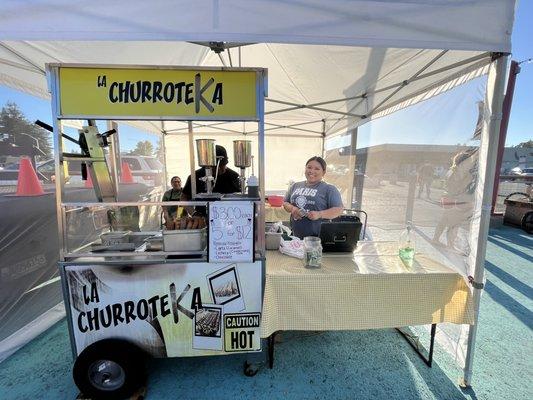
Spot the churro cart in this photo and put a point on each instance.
(133, 286)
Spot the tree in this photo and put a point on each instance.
(159, 150)
(526, 145)
(18, 136)
(143, 148)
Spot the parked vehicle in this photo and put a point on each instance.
(10, 172)
(145, 169)
(527, 172)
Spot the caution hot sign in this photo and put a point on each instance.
(242, 332)
(143, 92)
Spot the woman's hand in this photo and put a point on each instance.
(296, 213)
(314, 215)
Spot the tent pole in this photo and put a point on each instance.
(383, 89)
(191, 161)
(489, 146)
(115, 153)
(406, 82)
(480, 62)
(323, 138)
(20, 56)
(164, 145)
(298, 106)
(507, 104)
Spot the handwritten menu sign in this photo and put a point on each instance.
(231, 231)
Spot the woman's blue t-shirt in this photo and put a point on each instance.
(317, 197)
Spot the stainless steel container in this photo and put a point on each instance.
(206, 152)
(184, 240)
(154, 243)
(242, 153)
(115, 237)
(272, 240)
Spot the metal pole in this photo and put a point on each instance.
(506, 114)
(497, 74)
(58, 160)
(191, 161)
(114, 150)
(351, 167)
(323, 137)
(164, 145)
(262, 92)
(410, 198)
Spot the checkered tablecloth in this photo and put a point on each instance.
(368, 289)
(275, 214)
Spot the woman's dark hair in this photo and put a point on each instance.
(319, 160)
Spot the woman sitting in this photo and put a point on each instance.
(312, 200)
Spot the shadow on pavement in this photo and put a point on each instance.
(376, 364)
(510, 280)
(519, 253)
(513, 306)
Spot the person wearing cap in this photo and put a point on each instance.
(226, 179)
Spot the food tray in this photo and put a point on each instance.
(184, 240)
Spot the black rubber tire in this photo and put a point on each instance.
(120, 352)
(519, 195)
(249, 370)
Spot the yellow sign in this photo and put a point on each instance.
(242, 332)
(202, 94)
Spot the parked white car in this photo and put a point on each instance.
(145, 169)
(527, 172)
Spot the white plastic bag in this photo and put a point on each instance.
(293, 248)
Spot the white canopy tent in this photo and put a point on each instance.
(332, 65)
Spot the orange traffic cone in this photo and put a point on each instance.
(89, 181)
(28, 184)
(126, 176)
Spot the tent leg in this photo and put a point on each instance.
(415, 344)
(488, 152)
(271, 343)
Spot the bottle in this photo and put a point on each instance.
(406, 246)
(253, 186)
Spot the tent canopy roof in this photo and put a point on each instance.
(331, 64)
(484, 25)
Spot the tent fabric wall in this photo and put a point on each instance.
(285, 157)
(470, 24)
(391, 151)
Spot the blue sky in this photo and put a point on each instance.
(520, 125)
(521, 122)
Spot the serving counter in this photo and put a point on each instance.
(369, 289)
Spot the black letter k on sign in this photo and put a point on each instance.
(176, 306)
(198, 93)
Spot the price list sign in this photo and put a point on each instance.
(231, 231)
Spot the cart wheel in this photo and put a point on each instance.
(109, 369)
(250, 369)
